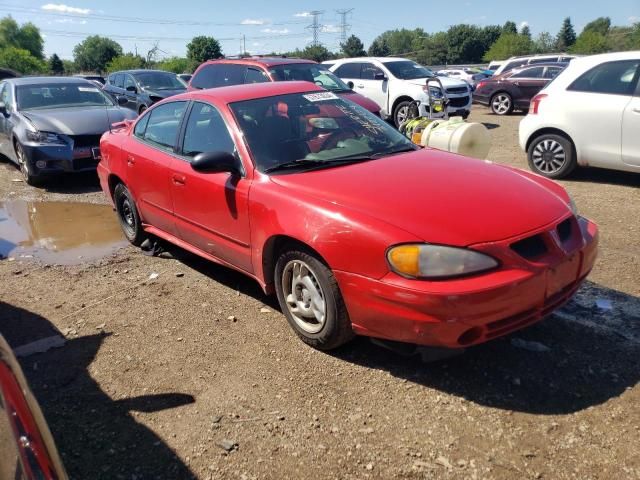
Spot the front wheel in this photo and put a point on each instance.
(401, 113)
(551, 156)
(128, 215)
(502, 104)
(25, 168)
(311, 300)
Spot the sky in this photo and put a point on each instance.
(283, 25)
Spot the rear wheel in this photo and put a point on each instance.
(128, 215)
(311, 300)
(552, 156)
(502, 104)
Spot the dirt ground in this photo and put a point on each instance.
(157, 373)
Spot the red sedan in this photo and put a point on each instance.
(355, 229)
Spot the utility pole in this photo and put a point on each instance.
(344, 26)
(315, 27)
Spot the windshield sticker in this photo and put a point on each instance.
(87, 89)
(319, 97)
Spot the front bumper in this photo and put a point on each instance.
(60, 158)
(467, 311)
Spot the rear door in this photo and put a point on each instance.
(596, 103)
(527, 83)
(150, 153)
(211, 209)
(631, 128)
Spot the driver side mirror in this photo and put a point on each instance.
(216, 162)
(3, 109)
(122, 101)
(379, 76)
(132, 89)
(350, 85)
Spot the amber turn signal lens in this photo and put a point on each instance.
(405, 259)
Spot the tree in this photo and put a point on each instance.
(526, 31)
(566, 36)
(25, 37)
(56, 67)
(489, 35)
(317, 53)
(95, 52)
(510, 27)
(544, 43)
(600, 25)
(403, 41)
(509, 45)
(465, 44)
(203, 48)
(590, 42)
(435, 50)
(69, 67)
(175, 65)
(128, 61)
(353, 47)
(21, 60)
(379, 48)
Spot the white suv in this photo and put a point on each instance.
(589, 115)
(393, 83)
(515, 62)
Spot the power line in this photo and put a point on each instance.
(344, 26)
(316, 27)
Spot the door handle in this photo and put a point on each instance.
(636, 110)
(179, 179)
(131, 161)
(517, 84)
(360, 86)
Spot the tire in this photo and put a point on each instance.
(303, 282)
(128, 215)
(551, 156)
(400, 113)
(25, 168)
(501, 103)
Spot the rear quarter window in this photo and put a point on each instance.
(218, 75)
(614, 78)
(349, 70)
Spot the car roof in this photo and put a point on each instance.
(237, 93)
(379, 59)
(140, 70)
(45, 80)
(260, 61)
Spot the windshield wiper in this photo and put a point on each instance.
(383, 153)
(314, 163)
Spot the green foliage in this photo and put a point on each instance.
(526, 31)
(590, 42)
(403, 41)
(566, 36)
(203, 48)
(353, 47)
(69, 67)
(544, 43)
(435, 51)
(176, 65)
(510, 27)
(317, 53)
(508, 45)
(21, 61)
(600, 25)
(465, 44)
(128, 61)
(25, 37)
(95, 52)
(56, 67)
(379, 48)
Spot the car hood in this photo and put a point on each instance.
(165, 93)
(77, 121)
(447, 82)
(361, 100)
(438, 196)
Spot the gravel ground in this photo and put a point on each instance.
(195, 373)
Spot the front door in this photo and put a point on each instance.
(130, 92)
(376, 89)
(150, 154)
(630, 130)
(211, 209)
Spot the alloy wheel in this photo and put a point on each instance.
(548, 156)
(304, 297)
(501, 104)
(401, 114)
(22, 163)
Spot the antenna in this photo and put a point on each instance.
(344, 26)
(316, 27)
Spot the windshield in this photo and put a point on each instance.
(408, 70)
(309, 72)
(313, 129)
(160, 81)
(60, 95)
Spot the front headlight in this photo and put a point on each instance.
(437, 261)
(434, 92)
(44, 137)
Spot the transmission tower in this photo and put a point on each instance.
(316, 27)
(344, 26)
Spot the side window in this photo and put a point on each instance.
(552, 72)
(369, 71)
(111, 79)
(141, 126)
(616, 78)
(542, 60)
(255, 76)
(349, 70)
(128, 81)
(512, 65)
(206, 131)
(164, 123)
(6, 96)
(218, 75)
(119, 80)
(534, 72)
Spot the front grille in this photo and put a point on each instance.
(80, 141)
(457, 90)
(458, 102)
(531, 247)
(564, 230)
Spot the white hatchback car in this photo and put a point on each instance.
(589, 115)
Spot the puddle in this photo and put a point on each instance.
(58, 232)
